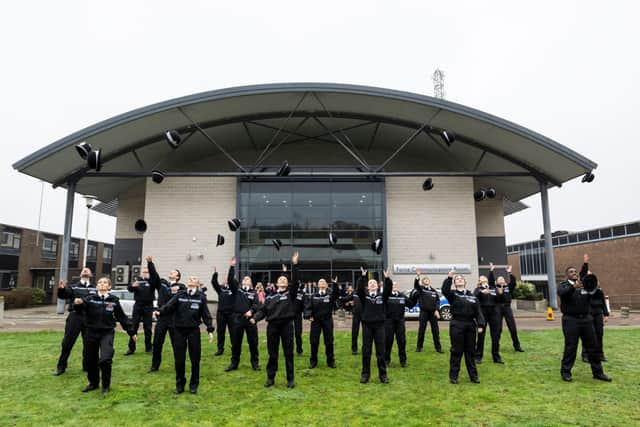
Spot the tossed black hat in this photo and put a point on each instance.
(376, 246)
(491, 193)
(220, 240)
(333, 239)
(83, 149)
(590, 282)
(277, 243)
(94, 160)
(479, 195)
(157, 176)
(284, 169)
(173, 138)
(234, 224)
(428, 184)
(140, 226)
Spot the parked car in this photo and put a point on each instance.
(444, 309)
(126, 300)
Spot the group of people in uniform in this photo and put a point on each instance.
(378, 307)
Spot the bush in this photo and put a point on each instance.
(23, 297)
(526, 291)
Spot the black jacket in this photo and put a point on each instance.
(321, 307)
(165, 293)
(574, 302)
(244, 299)
(597, 302)
(188, 311)
(488, 300)
(507, 294)
(396, 305)
(464, 306)
(426, 297)
(101, 314)
(226, 298)
(75, 290)
(144, 293)
(374, 308)
(281, 305)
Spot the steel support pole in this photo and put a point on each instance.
(66, 241)
(548, 247)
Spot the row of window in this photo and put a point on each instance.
(604, 233)
(10, 240)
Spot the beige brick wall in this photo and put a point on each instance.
(490, 218)
(184, 209)
(130, 209)
(440, 222)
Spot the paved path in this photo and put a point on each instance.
(45, 318)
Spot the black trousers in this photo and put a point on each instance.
(355, 330)
(142, 312)
(298, 332)
(280, 331)
(72, 328)
(163, 326)
(99, 349)
(395, 328)
(504, 311)
(224, 322)
(324, 326)
(428, 316)
(373, 333)
(598, 326)
(463, 342)
(574, 329)
(183, 339)
(493, 324)
(240, 326)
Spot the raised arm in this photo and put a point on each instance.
(294, 286)
(231, 276)
(388, 286)
(214, 281)
(446, 288)
(491, 277)
(335, 290)
(512, 280)
(361, 284)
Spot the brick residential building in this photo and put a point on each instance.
(31, 259)
(614, 253)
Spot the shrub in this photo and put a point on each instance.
(23, 297)
(526, 291)
(38, 295)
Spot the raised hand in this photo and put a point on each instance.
(78, 301)
(418, 272)
(386, 273)
(363, 270)
(452, 273)
(509, 268)
(294, 258)
(284, 268)
(233, 261)
(491, 266)
(148, 259)
(62, 284)
(585, 258)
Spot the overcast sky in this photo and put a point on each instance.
(568, 70)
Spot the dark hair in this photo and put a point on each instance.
(179, 274)
(569, 268)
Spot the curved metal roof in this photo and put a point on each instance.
(313, 126)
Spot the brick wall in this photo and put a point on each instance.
(434, 227)
(181, 209)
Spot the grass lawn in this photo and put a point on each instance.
(527, 390)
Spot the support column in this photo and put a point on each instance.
(548, 247)
(66, 241)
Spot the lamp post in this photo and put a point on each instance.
(89, 203)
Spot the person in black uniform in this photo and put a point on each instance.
(73, 326)
(395, 326)
(100, 312)
(245, 305)
(319, 308)
(351, 302)
(224, 313)
(466, 319)
(427, 297)
(189, 309)
(577, 323)
(297, 320)
(503, 310)
(599, 312)
(489, 296)
(279, 310)
(143, 293)
(166, 290)
(373, 314)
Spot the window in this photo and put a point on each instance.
(49, 245)
(92, 251)
(74, 250)
(107, 253)
(10, 240)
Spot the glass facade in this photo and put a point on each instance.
(301, 214)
